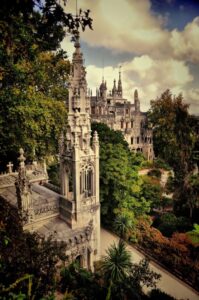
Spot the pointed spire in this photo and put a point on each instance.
(119, 90)
(114, 90)
(135, 94)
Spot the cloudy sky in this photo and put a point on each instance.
(156, 43)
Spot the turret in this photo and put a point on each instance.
(114, 90)
(119, 90)
(103, 89)
(136, 101)
(77, 82)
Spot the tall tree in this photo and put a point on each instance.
(33, 74)
(174, 137)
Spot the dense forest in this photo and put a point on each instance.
(161, 219)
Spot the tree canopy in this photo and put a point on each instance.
(33, 74)
(120, 185)
(174, 137)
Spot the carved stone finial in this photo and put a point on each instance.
(95, 137)
(21, 158)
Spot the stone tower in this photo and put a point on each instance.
(136, 101)
(79, 161)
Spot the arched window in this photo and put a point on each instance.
(86, 182)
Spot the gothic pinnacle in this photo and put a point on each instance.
(21, 158)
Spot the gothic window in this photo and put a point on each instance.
(131, 140)
(86, 182)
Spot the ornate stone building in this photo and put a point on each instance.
(120, 114)
(72, 214)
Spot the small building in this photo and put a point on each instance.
(120, 114)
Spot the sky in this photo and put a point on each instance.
(156, 43)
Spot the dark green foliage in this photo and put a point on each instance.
(161, 164)
(123, 278)
(124, 225)
(155, 173)
(141, 275)
(173, 136)
(24, 253)
(120, 185)
(152, 191)
(116, 265)
(176, 142)
(33, 75)
(109, 136)
(53, 173)
(168, 223)
(82, 284)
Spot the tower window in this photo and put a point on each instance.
(131, 140)
(122, 124)
(86, 182)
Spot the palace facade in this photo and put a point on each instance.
(120, 114)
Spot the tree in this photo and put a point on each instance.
(173, 136)
(23, 253)
(116, 265)
(175, 140)
(120, 185)
(141, 275)
(152, 191)
(124, 225)
(81, 283)
(108, 135)
(33, 74)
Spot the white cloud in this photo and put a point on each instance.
(150, 76)
(185, 44)
(131, 26)
(162, 55)
(124, 25)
